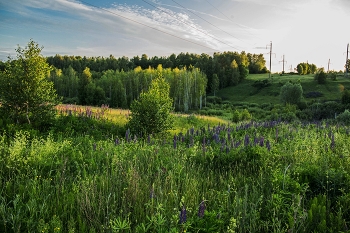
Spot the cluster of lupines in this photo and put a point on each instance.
(225, 137)
(74, 110)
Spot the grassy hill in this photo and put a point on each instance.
(245, 92)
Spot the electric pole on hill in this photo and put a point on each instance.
(270, 58)
(329, 62)
(283, 61)
(270, 45)
(346, 62)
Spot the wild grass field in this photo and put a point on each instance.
(207, 175)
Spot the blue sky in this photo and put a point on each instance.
(302, 30)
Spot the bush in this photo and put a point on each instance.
(345, 99)
(344, 117)
(320, 76)
(291, 93)
(214, 99)
(151, 113)
(332, 75)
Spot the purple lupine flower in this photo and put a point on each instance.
(127, 135)
(246, 140)
(116, 142)
(229, 136)
(268, 146)
(256, 140)
(201, 209)
(94, 146)
(332, 143)
(261, 142)
(175, 141)
(183, 215)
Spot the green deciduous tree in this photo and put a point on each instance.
(291, 93)
(215, 83)
(151, 113)
(26, 94)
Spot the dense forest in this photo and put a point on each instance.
(117, 81)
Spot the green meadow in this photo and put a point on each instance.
(88, 174)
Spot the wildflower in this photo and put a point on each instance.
(127, 135)
(116, 142)
(175, 141)
(332, 143)
(246, 140)
(261, 142)
(201, 209)
(183, 215)
(268, 146)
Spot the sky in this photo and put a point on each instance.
(313, 31)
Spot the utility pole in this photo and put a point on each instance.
(283, 61)
(268, 46)
(291, 68)
(270, 58)
(329, 62)
(346, 62)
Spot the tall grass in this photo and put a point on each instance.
(252, 177)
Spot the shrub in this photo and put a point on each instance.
(214, 99)
(291, 93)
(332, 75)
(151, 113)
(345, 99)
(344, 117)
(236, 116)
(245, 115)
(320, 76)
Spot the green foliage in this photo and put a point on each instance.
(320, 76)
(300, 69)
(345, 98)
(26, 94)
(291, 93)
(215, 84)
(306, 68)
(344, 117)
(151, 113)
(332, 75)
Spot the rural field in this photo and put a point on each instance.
(169, 149)
(207, 175)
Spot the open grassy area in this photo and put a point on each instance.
(245, 92)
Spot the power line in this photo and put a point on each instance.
(143, 24)
(207, 21)
(241, 26)
(188, 24)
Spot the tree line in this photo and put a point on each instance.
(230, 67)
(119, 88)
